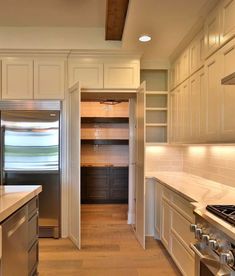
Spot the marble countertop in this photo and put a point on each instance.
(201, 192)
(14, 197)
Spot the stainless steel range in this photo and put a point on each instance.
(214, 250)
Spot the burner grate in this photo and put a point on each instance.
(226, 212)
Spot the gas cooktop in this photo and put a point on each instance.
(225, 212)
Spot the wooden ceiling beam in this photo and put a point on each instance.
(115, 19)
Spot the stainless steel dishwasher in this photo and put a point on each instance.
(14, 244)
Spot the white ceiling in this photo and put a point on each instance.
(53, 13)
(167, 21)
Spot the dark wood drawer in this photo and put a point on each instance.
(33, 229)
(33, 259)
(32, 207)
(104, 184)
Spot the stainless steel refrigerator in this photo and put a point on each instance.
(30, 155)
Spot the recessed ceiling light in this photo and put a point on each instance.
(145, 38)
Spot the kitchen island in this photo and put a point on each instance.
(19, 230)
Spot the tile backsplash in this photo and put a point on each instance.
(164, 158)
(213, 162)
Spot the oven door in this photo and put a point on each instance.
(207, 263)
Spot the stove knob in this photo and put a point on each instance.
(227, 258)
(213, 244)
(205, 238)
(198, 233)
(193, 227)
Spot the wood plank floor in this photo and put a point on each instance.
(109, 248)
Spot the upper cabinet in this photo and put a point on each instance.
(196, 53)
(121, 75)
(227, 20)
(49, 79)
(212, 32)
(17, 78)
(27, 78)
(91, 75)
(227, 93)
(104, 73)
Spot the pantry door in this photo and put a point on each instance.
(74, 190)
(140, 165)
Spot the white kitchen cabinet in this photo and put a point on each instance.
(17, 78)
(184, 63)
(212, 32)
(90, 75)
(227, 20)
(184, 111)
(165, 223)
(173, 216)
(227, 94)
(157, 211)
(195, 108)
(49, 78)
(121, 75)
(196, 53)
(183, 259)
(212, 98)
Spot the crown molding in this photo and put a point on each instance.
(70, 53)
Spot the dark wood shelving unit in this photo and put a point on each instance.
(105, 142)
(104, 120)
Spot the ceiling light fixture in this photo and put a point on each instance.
(145, 38)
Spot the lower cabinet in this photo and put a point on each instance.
(20, 241)
(104, 184)
(173, 216)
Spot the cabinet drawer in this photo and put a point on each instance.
(33, 259)
(33, 229)
(183, 206)
(182, 257)
(167, 193)
(181, 227)
(32, 207)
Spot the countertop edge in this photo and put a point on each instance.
(23, 199)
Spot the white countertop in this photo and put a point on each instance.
(202, 192)
(14, 197)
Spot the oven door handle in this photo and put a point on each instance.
(196, 251)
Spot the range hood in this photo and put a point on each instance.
(229, 80)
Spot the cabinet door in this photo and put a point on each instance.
(165, 224)
(212, 32)
(158, 204)
(49, 79)
(184, 71)
(201, 87)
(212, 98)
(17, 78)
(196, 53)
(121, 75)
(194, 110)
(89, 75)
(185, 119)
(173, 114)
(227, 99)
(227, 13)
